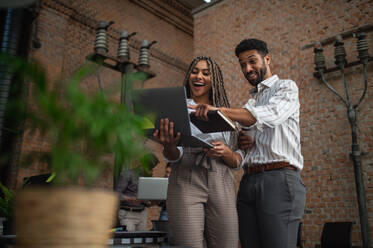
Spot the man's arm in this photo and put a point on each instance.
(122, 184)
(278, 109)
(241, 115)
(124, 180)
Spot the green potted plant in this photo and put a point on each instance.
(6, 208)
(84, 131)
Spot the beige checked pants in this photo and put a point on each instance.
(134, 221)
(201, 203)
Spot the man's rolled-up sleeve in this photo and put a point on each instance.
(279, 108)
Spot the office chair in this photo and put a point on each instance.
(337, 234)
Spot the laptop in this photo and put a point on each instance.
(152, 188)
(156, 103)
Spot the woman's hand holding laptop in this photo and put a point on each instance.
(165, 135)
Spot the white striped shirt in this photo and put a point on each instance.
(276, 132)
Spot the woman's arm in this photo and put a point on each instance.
(220, 150)
(165, 136)
(171, 153)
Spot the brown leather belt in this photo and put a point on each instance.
(132, 209)
(256, 168)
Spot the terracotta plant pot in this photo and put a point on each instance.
(64, 217)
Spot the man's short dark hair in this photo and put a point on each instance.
(252, 44)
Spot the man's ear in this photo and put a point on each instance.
(267, 58)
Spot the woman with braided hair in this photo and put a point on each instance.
(201, 201)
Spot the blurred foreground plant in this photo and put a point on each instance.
(81, 128)
(6, 202)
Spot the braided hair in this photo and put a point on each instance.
(217, 96)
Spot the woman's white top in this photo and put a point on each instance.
(208, 137)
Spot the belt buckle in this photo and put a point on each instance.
(130, 209)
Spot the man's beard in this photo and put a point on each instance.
(262, 73)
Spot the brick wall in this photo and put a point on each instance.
(66, 31)
(326, 138)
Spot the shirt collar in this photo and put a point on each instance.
(264, 84)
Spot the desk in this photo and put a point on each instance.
(120, 239)
(7, 241)
(138, 238)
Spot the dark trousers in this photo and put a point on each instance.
(270, 205)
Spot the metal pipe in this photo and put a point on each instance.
(125, 98)
(365, 85)
(362, 48)
(9, 44)
(331, 88)
(351, 114)
(359, 181)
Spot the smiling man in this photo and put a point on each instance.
(271, 196)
